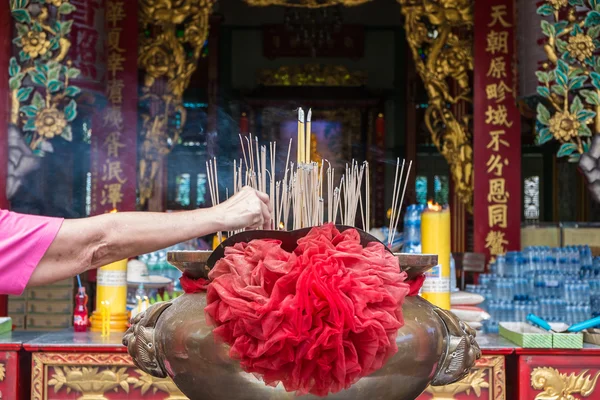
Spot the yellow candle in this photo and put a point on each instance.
(111, 289)
(112, 286)
(107, 316)
(103, 317)
(435, 239)
(215, 242)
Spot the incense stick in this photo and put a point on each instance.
(368, 198)
(244, 151)
(395, 215)
(300, 192)
(394, 198)
(308, 143)
(402, 200)
(300, 136)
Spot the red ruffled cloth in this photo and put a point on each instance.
(318, 319)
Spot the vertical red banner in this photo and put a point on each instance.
(88, 37)
(497, 130)
(114, 135)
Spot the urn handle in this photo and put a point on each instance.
(141, 340)
(461, 353)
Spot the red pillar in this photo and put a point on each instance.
(5, 53)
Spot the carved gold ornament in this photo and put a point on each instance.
(475, 381)
(2, 372)
(489, 374)
(173, 35)
(42, 100)
(91, 382)
(306, 3)
(564, 125)
(581, 46)
(94, 376)
(146, 382)
(443, 60)
(558, 386)
(312, 75)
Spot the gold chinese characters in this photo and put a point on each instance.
(113, 177)
(497, 122)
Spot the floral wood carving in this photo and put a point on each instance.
(570, 84)
(91, 382)
(489, 373)
(42, 98)
(558, 386)
(146, 382)
(172, 37)
(475, 381)
(443, 59)
(94, 375)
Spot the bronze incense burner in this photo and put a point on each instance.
(174, 339)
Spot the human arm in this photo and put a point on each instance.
(89, 243)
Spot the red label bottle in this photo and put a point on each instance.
(80, 319)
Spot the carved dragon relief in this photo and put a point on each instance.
(172, 37)
(444, 60)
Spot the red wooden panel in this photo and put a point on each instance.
(9, 375)
(570, 376)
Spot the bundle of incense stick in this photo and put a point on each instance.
(300, 194)
(397, 205)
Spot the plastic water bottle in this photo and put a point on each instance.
(453, 286)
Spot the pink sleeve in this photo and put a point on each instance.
(24, 239)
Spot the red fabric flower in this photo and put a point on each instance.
(191, 285)
(316, 320)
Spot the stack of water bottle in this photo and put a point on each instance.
(558, 285)
(412, 228)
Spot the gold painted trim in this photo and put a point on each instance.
(306, 3)
(312, 75)
(92, 375)
(476, 381)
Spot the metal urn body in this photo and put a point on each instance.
(173, 339)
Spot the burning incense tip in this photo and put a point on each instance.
(308, 117)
